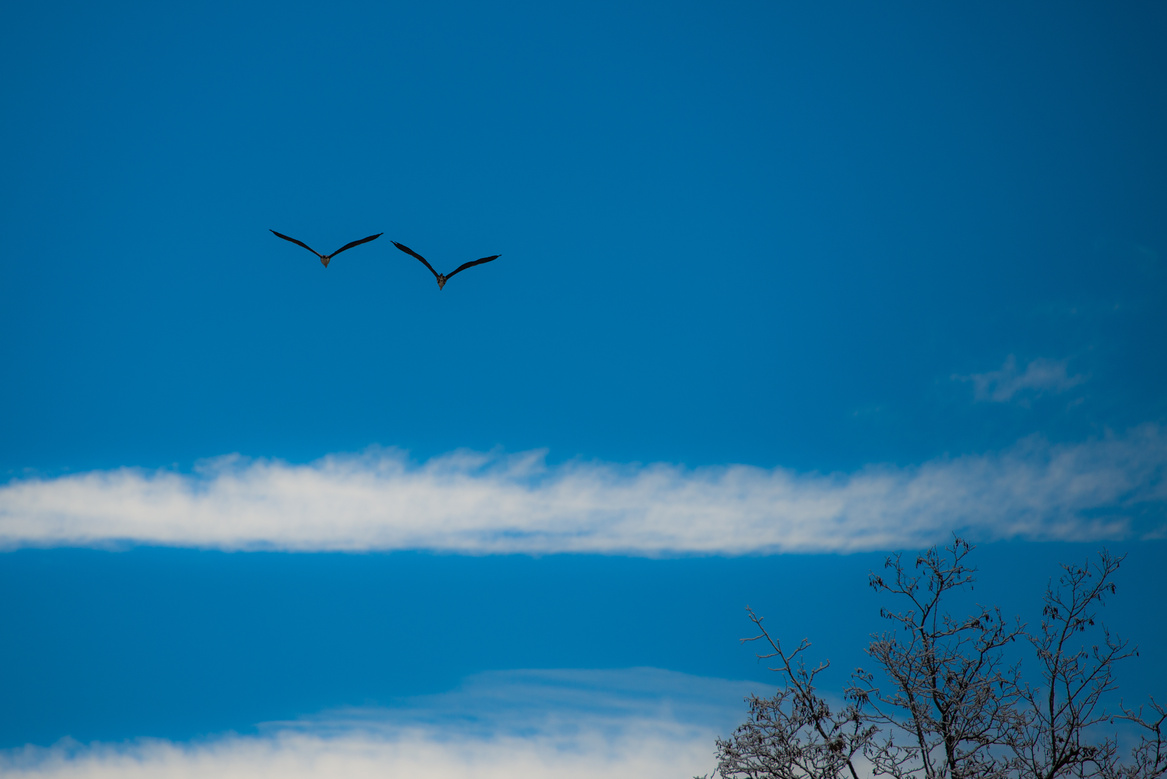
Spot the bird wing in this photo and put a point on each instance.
(466, 265)
(407, 250)
(301, 243)
(355, 243)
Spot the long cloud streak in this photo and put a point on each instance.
(516, 724)
(487, 503)
(642, 753)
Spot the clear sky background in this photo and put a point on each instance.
(783, 289)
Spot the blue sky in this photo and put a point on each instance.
(782, 289)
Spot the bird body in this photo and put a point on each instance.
(324, 258)
(444, 277)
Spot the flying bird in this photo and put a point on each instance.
(324, 258)
(443, 278)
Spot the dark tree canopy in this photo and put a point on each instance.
(945, 703)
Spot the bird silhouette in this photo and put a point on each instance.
(443, 278)
(324, 258)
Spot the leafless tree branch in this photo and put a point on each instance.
(949, 706)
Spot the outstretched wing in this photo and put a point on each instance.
(407, 250)
(355, 243)
(466, 265)
(300, 243)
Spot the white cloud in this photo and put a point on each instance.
(491, 503)
(494, 704)
(639, 753)
(625, 723)
(1040, 375)
(408, 754)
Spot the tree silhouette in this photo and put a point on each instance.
(946, 704)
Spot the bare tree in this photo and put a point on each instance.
(794, 735)
(951, 699)
(1072, 700)
(948, 705)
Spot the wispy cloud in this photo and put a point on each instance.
(1040, 375)
(625, 723)
(491, 503)
(639, 753)
(501, 703)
